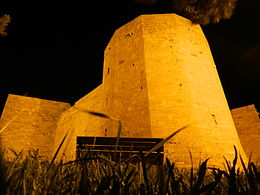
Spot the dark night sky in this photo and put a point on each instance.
(54, 49)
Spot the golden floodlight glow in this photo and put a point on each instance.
(158, 76)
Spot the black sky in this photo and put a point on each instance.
(54, 49)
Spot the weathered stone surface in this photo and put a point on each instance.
(248, 127)
(33, 124)
(76, 122)
(159, 75)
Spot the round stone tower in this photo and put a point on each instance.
(159, 75)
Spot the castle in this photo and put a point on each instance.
(158, 76)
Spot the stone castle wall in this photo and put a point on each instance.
(248, 126)
(33, 126)
(76, 122)
(125, 81)
(159, 75)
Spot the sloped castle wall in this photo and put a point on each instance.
(76, 122)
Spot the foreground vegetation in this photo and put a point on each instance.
(99, 174)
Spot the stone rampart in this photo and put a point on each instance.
(29, 124)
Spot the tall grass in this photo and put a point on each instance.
(98, 174)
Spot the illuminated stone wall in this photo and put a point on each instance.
(125, 81)
(76, 122)
(248, 126)
(159, 75)
(34, 124)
